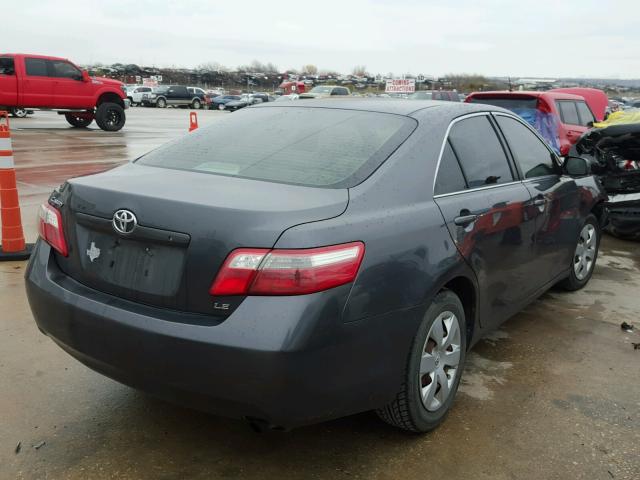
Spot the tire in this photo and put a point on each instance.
(410, 410)
(19, 112)
(584, 259)
(78, 121)
(196, 104)
(161, 103)
(110, 117)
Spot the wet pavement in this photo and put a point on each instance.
(553, 394)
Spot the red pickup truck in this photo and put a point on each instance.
(51, 83)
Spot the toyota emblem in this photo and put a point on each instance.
(124, 221)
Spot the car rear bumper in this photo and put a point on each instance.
(287, 361)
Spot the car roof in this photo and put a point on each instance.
(31, 55)
(391, 105)
(526, 93)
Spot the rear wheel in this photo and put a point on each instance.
(110, 117)
(78, 121)
(19, 112)
(196, 104)
(434, 368)
(584, 258)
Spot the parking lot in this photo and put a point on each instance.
(551, 394)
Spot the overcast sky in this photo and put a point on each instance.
(543, 38)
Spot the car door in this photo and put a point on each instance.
(556, 198)
(171, 95)
(8, 82)
(179, 95)
(486, 215)
(69, 88)
(37, 85)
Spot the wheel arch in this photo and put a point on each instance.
(600, 213)
(467, 291)
(111, 97)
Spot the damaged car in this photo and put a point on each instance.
(613, 151)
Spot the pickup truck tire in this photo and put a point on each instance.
(77, 121)
(110, 117)
(196, 104)
(161, 103)
(19, 112)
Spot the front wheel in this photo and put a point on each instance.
(161, 103)
(434, 368)
(585, 255)
(78, 121)
(110, 117)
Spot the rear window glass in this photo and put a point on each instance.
(317, 147)
(512, 103)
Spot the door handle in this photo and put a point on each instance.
(464, 220)
(540, 202)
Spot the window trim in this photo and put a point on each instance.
(514, 173)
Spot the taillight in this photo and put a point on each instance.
(50, 228)
(251, 271)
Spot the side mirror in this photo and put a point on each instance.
(85, 76)
(576, 166)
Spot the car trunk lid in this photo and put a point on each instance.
(187, 223)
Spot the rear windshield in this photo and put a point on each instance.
(512, 103)
(316, 147)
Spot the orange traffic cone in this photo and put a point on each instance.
(193, 121)
(13, 246)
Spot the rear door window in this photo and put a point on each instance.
(321, 147)
(568, 112)
(481, 155)
(586, 117)
(36, 67)
(531, 154)
(450, 178)
(7, 66)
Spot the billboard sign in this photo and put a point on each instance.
(400, 86)
(149, 82)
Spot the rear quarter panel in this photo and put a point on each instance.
(409, 253)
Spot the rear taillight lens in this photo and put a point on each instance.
(250, 271)
(50, 228)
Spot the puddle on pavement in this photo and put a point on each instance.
(481, 374)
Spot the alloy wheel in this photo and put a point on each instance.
(113, 118)
(440, 361)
